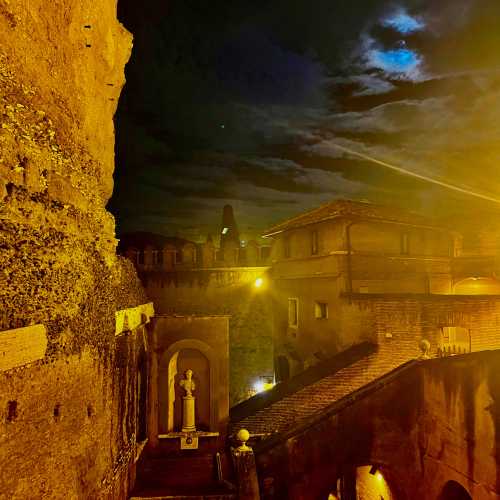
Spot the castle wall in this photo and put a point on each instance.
(69, 433)
(229, 292)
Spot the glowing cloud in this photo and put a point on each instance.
(404, 23)
(400, 60)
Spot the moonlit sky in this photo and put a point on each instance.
(246, 102)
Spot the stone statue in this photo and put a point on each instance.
(425, 349)
(188, 383)
(188, 413)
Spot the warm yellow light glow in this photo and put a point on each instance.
(259, 282)
(259, 386)
(379, 476)
(262, 385)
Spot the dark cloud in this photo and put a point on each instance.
(245, 103)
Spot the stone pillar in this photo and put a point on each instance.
(188, 401)
(153, 409)
(245, 468)
(188, 424)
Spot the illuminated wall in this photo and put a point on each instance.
(372, 486)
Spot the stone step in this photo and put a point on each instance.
(213, 491)
(228, 496)
(178, 471)
(190, 497)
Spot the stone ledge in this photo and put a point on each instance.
(133, 317)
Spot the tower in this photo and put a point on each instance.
(229, 230)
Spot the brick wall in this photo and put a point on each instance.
(400, 323)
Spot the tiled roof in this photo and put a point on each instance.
(297, 408)
(351, 209)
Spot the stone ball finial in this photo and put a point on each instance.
(243, 436)
(425, 347)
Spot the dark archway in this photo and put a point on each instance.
(454, 491)
(282, 369)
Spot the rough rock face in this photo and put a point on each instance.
(61, 72)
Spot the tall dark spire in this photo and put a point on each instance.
(229, 229)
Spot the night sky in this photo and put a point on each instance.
(246, 102)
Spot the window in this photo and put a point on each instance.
(140, 257)
(265, 253)
(157, 257)
(452, 249)
(293, 312)
(405, 244)
(287, 250)
(448, 334)
(321, 310)
(314, 242)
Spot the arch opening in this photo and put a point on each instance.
(454, 491)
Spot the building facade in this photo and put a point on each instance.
(184, 278)
(337, 268)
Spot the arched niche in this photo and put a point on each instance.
(172, 364)
(454, 491)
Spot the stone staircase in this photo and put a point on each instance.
(296, 408)
(183, 475)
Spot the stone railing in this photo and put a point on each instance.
(453, 349)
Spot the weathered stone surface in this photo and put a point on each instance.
(131, 318)
(67, 421)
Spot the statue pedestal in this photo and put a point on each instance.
(188, 424)
(189, 440)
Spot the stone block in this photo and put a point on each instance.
(22, 346)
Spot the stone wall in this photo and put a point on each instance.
(399, 323)
(427, 424)
(65, 421)
(225, 291)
